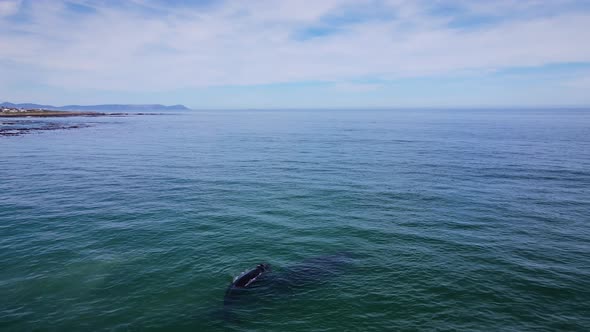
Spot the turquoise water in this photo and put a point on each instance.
(449, 219)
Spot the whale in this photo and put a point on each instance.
(244, 280)
(248, 277)
(261, 282)
(312, 271)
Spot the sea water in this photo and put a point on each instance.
(466, 219)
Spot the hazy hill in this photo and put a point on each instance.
(105, 107)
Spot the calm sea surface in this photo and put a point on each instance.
(448, 219)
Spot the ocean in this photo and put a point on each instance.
(445, 220)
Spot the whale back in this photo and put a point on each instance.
(243, 281)
(248, 277)
(256, 284)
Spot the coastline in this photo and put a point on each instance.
(15, 123)
(19, 113)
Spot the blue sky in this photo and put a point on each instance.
(296, 53)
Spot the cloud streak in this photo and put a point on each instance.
(9, 7)
(157, 46)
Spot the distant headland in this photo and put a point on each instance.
(17, 126)
(105, 107)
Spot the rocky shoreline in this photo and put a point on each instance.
(22, 127)
(16, 126)
(10, 112)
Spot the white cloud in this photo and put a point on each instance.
(582, 81)
(9, 7)
(356, 87)
(252, 42)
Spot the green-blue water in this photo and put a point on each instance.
(457, 219)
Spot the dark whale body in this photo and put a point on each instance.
(244, 280)
(312, 271)
(259, 282)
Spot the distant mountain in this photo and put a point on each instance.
(26, 105)
(106, 107)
